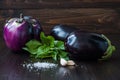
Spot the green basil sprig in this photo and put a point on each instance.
(48, 47)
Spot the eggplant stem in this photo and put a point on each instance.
(20, 20)
(21, 15)
(109, 51)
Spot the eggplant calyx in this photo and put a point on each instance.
(20, 20)
(109, 51)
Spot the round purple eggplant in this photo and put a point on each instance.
(17, 31)
(83, 45)
(60, 32)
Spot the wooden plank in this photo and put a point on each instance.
(55, 16)
(58, 5)
(14, 66)
(93, 19)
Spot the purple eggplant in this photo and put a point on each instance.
(83, 45)
(17, 31)
(60, 32)
(36, 27)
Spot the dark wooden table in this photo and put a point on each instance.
(11, 67)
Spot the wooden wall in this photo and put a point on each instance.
(93, 15)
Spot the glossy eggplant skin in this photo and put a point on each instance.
(83, 45)
(60, 32)
(18, 31)
(36, 27)
(16, 34)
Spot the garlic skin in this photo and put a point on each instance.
(63, 62)
(70, 63)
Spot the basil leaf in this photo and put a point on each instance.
(33, 44)
(42, 50)
(55, 55)
(64, 55)
(47, 40)
(59, 44)
(32, 51)
(48, 47)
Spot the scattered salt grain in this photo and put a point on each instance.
(44, 65)
(39, 66)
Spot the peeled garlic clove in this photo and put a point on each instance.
(63, 62)
(70, 63)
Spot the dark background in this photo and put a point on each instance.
(96, 15)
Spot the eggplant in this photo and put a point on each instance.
(83, 45)
(17, 31)
(60, 32)
(36, 27)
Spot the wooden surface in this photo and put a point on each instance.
(102, 16)
(11, 67)
(30, 4)
(94, 19)
(94, 15)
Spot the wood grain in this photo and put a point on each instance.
(37, 4)
(101, 16)
(11, 67)
(93, 19)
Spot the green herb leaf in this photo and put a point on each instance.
(32, 46)
(47, 40)
(47, 48)
(42, 50)
(55, 55)
(59, 44)
(64, 55)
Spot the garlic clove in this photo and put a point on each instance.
(63, 62)
(70, 63)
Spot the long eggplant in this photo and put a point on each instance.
(83, 45)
